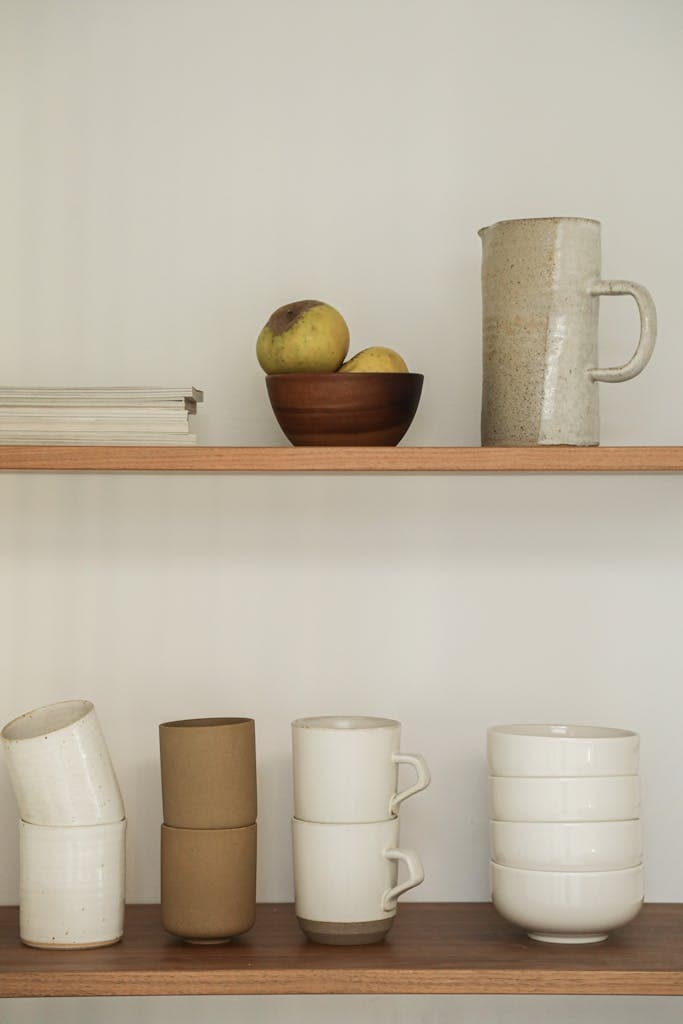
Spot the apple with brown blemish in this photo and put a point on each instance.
(307, 336)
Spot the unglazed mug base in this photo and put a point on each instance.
(345, 933)
(71, 945)
(567, 940)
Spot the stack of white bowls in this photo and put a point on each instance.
(566, 844)
(72, 829)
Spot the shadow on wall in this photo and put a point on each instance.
(274, 797)
(9, 837)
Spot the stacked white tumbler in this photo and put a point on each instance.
(566, 843)
(72, 828)
(346, 827)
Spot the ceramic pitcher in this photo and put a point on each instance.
(541, 285)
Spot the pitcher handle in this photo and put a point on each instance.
(648, 331)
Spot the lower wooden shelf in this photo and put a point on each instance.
(434, 948)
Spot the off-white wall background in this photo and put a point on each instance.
(173, 171)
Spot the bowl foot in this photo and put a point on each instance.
(570, 940)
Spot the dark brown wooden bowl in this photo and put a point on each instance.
(344, 408)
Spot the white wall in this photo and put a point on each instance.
(174, 170)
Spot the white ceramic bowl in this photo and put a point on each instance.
(60, 766)
(71, 885)
(563, 906)
(609, 798)
(561, 750)
(567, 846)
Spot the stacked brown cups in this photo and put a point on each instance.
(208, 838)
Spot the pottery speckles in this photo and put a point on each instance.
(541, 285)
(72, 884)
(60, 766)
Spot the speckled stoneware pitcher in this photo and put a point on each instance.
(541, 285)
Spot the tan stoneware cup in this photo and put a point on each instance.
(208, 773)
(208, 882)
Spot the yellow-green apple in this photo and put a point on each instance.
(303, 337)
(375, 360)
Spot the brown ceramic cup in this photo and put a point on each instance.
(208, 882)
(208, 772)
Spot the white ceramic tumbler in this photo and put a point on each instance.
(60, 766)
(71, 885)
(345, 879)
(346, 769)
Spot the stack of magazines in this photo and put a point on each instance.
(134, 416)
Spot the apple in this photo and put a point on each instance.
(376, 359)
(303, 337)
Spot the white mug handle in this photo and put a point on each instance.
(416, 875)
(423, 778)
(648, 331)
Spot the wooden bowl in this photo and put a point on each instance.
(344, 408)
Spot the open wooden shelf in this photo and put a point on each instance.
(205, 459)
(433, 948)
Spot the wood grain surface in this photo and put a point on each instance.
(342, 460)
(357, 409)
(433, 948)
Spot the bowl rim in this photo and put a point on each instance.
(584, 780)
(565, 732)
(593, 875)
(343, 376)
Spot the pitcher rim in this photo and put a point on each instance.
(536, 220)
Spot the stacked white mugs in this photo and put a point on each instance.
(346, 827)
(566, 844)
(72, 829)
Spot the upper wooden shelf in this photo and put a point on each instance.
(342, 460)
(433, 948)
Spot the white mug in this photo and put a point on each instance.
(60, 766)
(345, 879)
(346, 768)
(71, 885)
